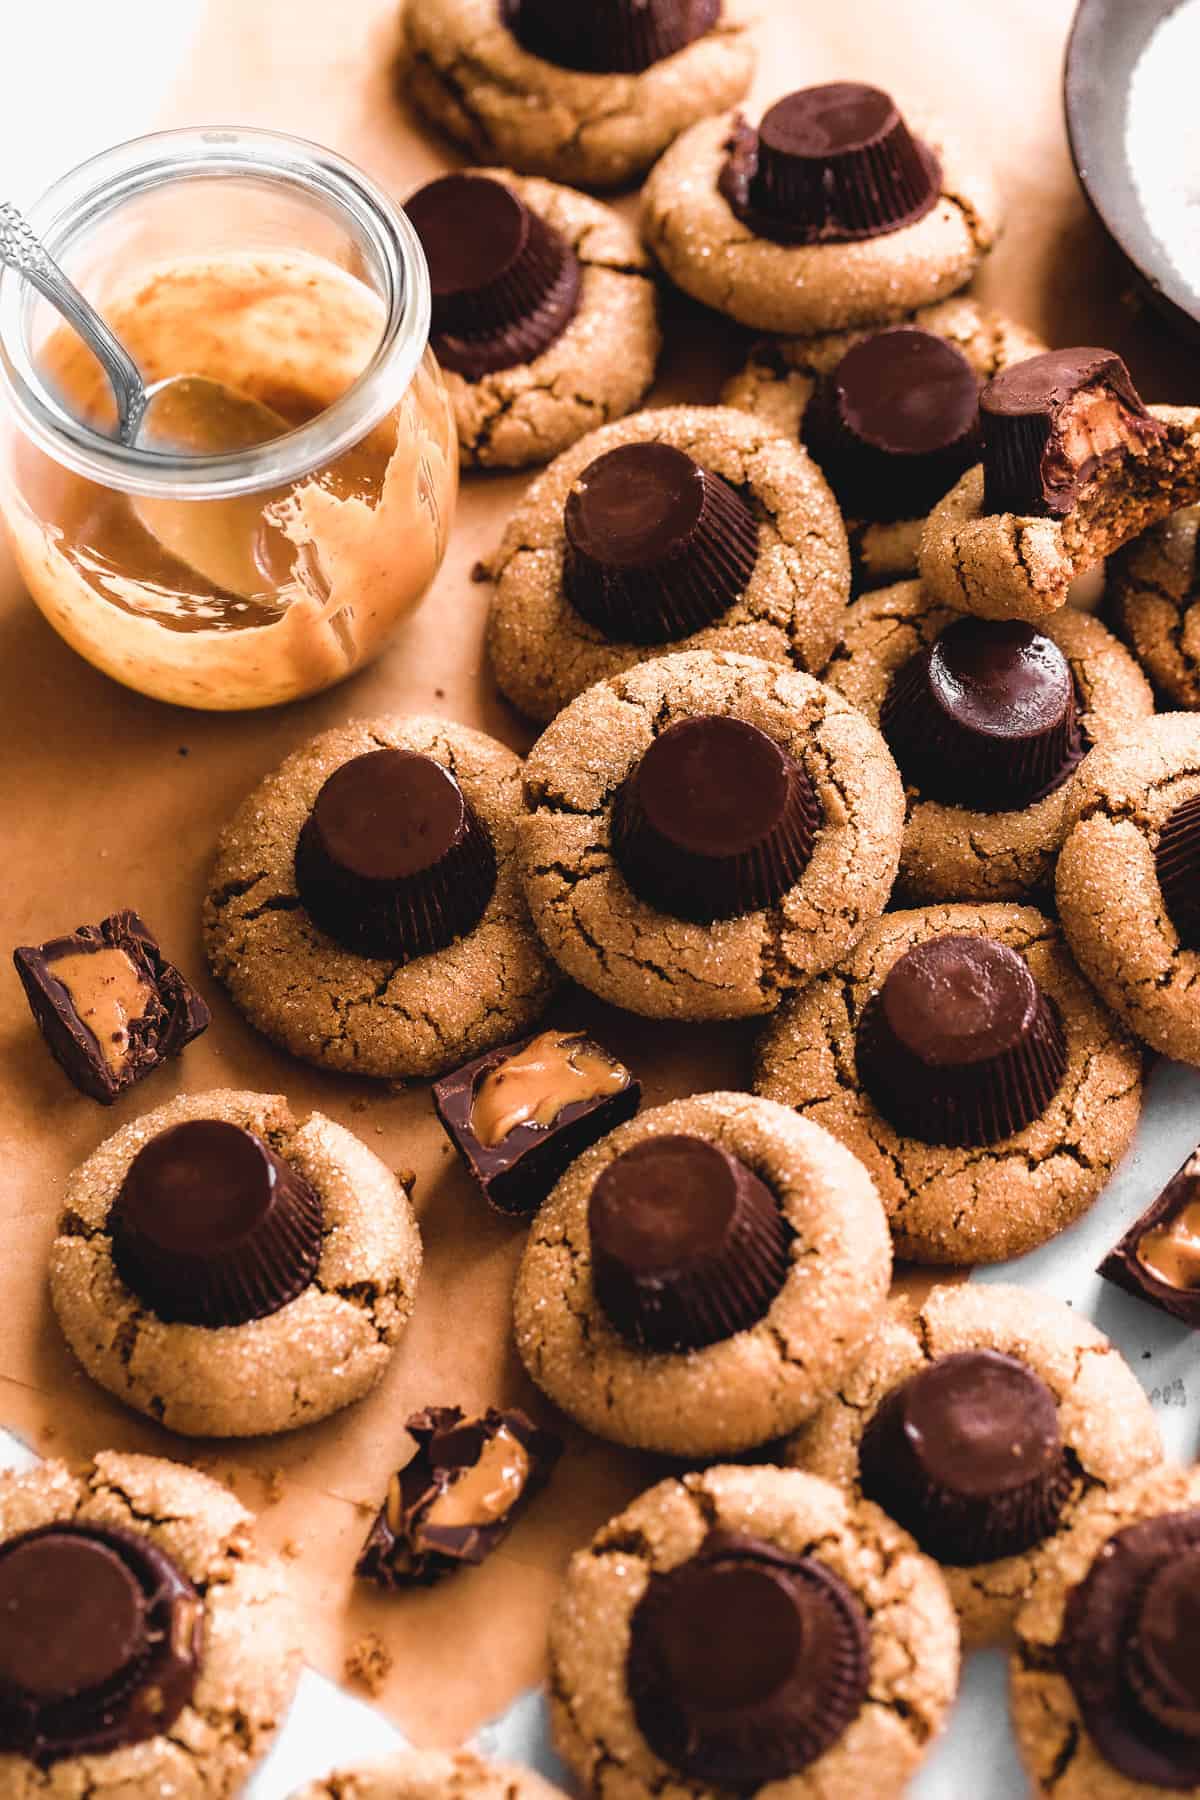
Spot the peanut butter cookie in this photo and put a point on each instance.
(1155, 594)
(431, 1775)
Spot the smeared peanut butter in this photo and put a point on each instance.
(558, 1069)
(1171, 1251)
(107, 994)
(489, 1490)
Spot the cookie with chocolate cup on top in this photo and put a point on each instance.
(1158, 1258)
(1154, 597)
(750, 1631)
(146, 1646)
(585, 91)
(831, 213)
(545, 312)
(1072, 466)
(685, 528)
(891, 416)
(705, 832)
(988, 720)
(960, 1055)
(232, 1272)
(701, 1280)
(365, 910)
(982, 1421)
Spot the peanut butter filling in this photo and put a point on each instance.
(107, 994)
(1093, 428)
(1171, 1251)
(557, 1070)
(489, 1490)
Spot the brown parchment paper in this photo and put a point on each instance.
(110, 800)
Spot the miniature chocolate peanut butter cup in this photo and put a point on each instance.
(746, 1663)
(688, 1245)
(1177, 862)
(212, 1228)
(985, 718)
(100, 1642)
(608, 37)
(715, 820)
(960, 1045)
(505, 284)
(392, 861)
(656, 546)
(1048, 424)
(1158, 1258)
(830, 165)
(968, 1456)
(1130, 1649)
(895, 424)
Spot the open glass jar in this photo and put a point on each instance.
(255, 572)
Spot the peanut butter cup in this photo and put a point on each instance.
(960, 1045)
(656, 546)
(1048, 424)
(715, 820)
(986, 718)
(505, 284)
(100, 1642)
(212, 1228)
(1158, 1258)
(392, 860)
(1177, 862)
(829, 165)
(746, 1663)
(602, 37)
(688, 1245)
(968, 1456)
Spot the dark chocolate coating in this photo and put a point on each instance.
(1177, 864)
(746, 1663)
(967, 1455)
(100, 1642)
(656, 546)
(716, 820)
(392, 861)
(688, 1246)
(505, 284)
(212, 1228)
(175, 1013)
(895, 424)
(1123, 1267)
(986, 718)
(960, 1046)
(602, 37)
(829, 165)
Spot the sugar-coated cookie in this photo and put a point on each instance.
(1154, 590)
(430, 1775)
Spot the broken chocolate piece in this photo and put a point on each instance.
(520, 1115)
(608, 37)
(458, 1498)
(1050, 423)
(109, 1005)
(1158, 1259)
(1177, 864)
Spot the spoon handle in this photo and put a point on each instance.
(22, 250)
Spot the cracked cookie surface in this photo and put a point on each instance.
(431, 1775)
(913, 1632)
(466, 72)
(709, 253)
(1109, 898)
(950, 852)
(251, 1655)
(780, 375)
(544, 653)
(596, 370)
(742, 1390)
(974, 1204)
(1014, 566)
(647, 961)
(1154, 587)
(1105, 1418)
(323, 1350)
(360, 1014)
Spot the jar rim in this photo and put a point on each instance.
(96, 189)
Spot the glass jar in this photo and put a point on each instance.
(257, 571)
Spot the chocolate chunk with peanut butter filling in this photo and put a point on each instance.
(1158, 1259)
(109, 1005)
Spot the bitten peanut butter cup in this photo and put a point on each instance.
(895, 424)
(1158, 1258)
(688, 1245)
(617, 37)
(100, 1642)
(1048, 424)
(829, 165)
(657, 546)
(986, 718)
(212, 1228)
(746, 1664)
(968, 1456)
(960, 1045)
(1177, 862)
(505, 284)
(392, 860)
(716, 820)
